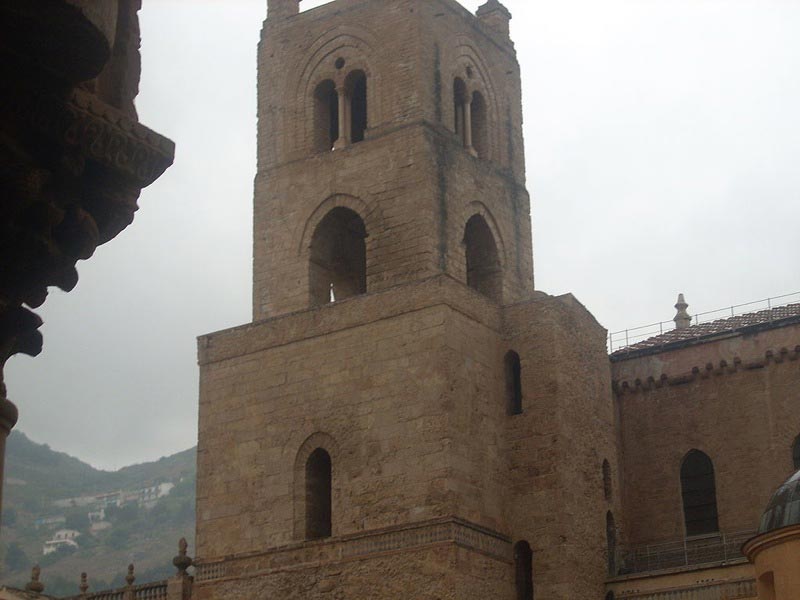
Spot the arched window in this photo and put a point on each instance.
(523, 570)
(513, 383)
(326, 116)
(607, 489)
(356, 86)
(699, 494)
(611, 543)
(459, 100)
(766, 586)
(610, 596)
(479, 125)
(318, 495)
(796, 453)
(338, 267)
(483, 265)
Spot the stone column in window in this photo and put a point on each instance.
(468, 126)
(344, 118)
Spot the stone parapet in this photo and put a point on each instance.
(411, 536)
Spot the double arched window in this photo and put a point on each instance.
(699, 494)
(340, 112)
(338, 268)
(470, 118)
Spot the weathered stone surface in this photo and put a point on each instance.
(405, 387)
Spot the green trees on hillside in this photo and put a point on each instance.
(16, 559)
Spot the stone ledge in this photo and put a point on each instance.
(403, 538)
(440, 290)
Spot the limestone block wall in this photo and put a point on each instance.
(437, 572)
(411, 181)
(371, 395)
(406, 390)
(472, 186)
(735, 399)
(388, 182)
(452, 41)
(558, 444)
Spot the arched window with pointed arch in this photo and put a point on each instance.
(318, 495)
(523, 570)
(513, 372)
(796, 453)
(699, 494)
(326, 116)
(483, 262)
(338, 268)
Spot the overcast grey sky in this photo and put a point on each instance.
(662, 137)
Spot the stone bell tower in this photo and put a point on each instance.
(405, 417)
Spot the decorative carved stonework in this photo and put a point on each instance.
(73, 156)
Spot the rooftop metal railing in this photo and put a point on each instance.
(727, 590)
(618, 340)
(684, 553)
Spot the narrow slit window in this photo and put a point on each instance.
(796, 453)
(699, 494)
(523, 570)
(318, 495)
(513, 370)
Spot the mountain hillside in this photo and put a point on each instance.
(69, 517)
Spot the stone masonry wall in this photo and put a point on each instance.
(558, 444)
(741, 412)
(410, 181)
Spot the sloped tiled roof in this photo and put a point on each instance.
(771, 317)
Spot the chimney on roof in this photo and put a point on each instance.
(682, 318)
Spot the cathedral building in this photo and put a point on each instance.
(407, 416)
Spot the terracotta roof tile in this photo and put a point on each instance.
(713, 328)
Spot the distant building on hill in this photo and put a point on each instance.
(62, 538)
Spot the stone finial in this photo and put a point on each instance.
(496, 16)
(182, 561)
(84, 586)
(34, 585)
(130, 577)
(682, 318)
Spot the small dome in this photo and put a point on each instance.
(784, 506)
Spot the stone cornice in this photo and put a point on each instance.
(403, 538)
(771, 357)
(440, 290)
(88, 128)
(754, 546)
